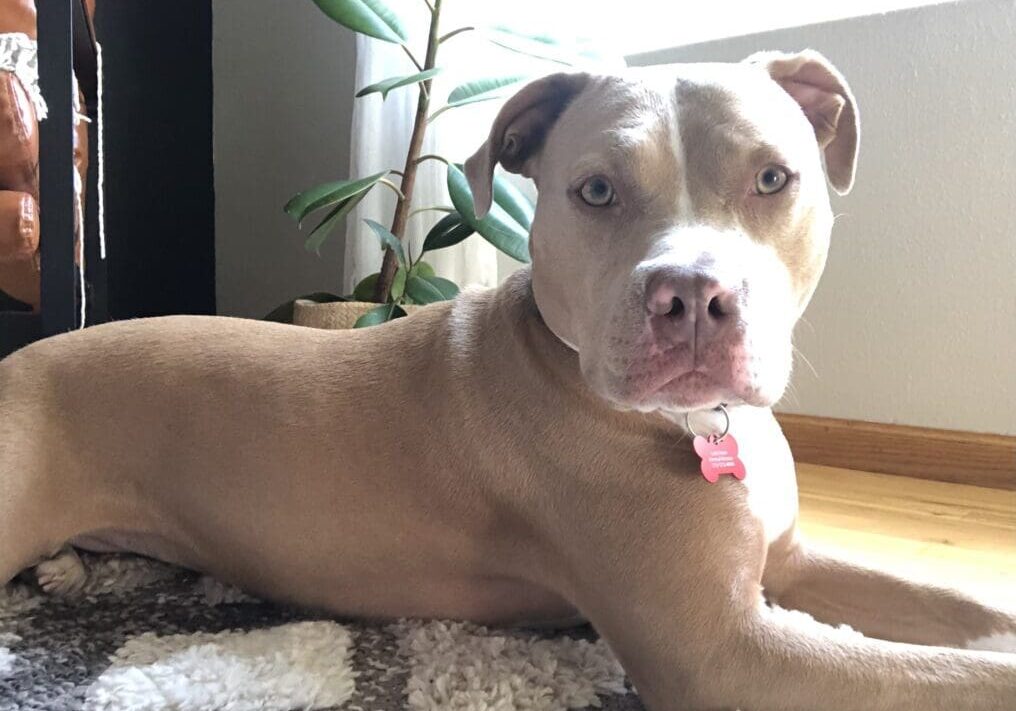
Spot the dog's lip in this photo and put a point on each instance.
(691, 376)
(671, 378)
(693, 379)
(703, 394)
(679, 385)
(680, 389)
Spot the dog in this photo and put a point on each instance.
(522, 455)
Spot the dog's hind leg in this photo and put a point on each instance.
(62, 575)
(26, 512)
(22, 514)
(22, 543)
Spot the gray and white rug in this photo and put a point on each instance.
(148, 637)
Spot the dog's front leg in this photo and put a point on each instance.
(883, 605)
(677, 593)
(784, 661)
(766, 659)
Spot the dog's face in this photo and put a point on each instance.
(683, 219)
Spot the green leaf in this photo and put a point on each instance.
(478, 87)
(447, 288)
(473, 100)
(319, 234)
(513, 202)
(370, 17)
(328, 194)
(422, 269)
(573, 51)
(540, 46)
(448, 231)
(498, 227)
(386, 85)
(422, 291)
(364, 291)
(388, 240)
(398, 284)
(380, 314)
(284, 312)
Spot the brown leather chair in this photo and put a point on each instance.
(19, 168)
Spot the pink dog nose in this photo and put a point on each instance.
(689, 301)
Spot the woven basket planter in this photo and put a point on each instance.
(334, 316)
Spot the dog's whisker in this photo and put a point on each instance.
(804, 321)
(800, 354)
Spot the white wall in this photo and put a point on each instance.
(283, 88)
(915, 320)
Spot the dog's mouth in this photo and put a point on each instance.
(658, 384)
(692, 389)
(673, 381)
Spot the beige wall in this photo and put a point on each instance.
(915, 320)
(283, 88)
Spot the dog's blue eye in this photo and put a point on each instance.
(771, 179)
(597, 191)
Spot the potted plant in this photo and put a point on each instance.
(406, 281)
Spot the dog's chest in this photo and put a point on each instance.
(771, 485)
(770, 482)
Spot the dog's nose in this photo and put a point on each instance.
(690, 299)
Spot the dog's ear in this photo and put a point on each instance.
(518, 132)
(822, 92)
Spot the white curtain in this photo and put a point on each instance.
(381, 130)
(380, 139)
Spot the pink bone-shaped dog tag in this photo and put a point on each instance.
(719, 456)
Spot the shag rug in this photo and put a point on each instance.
(148, 637)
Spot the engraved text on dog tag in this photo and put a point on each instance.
(719, 456)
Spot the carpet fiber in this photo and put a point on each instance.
(148, 637)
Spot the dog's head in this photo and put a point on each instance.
(683, 218)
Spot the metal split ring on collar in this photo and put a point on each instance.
(721, 408)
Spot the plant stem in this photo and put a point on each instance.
(412, 59)
(384, 283)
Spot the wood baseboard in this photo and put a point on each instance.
(941, 455)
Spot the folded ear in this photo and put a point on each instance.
(518, 132)
(822, 92)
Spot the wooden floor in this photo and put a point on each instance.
(948, 533)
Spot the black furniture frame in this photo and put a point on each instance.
(66, 45)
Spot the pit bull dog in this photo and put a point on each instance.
(521, 454)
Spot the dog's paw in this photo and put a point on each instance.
(1002, 642)
(62, 575)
